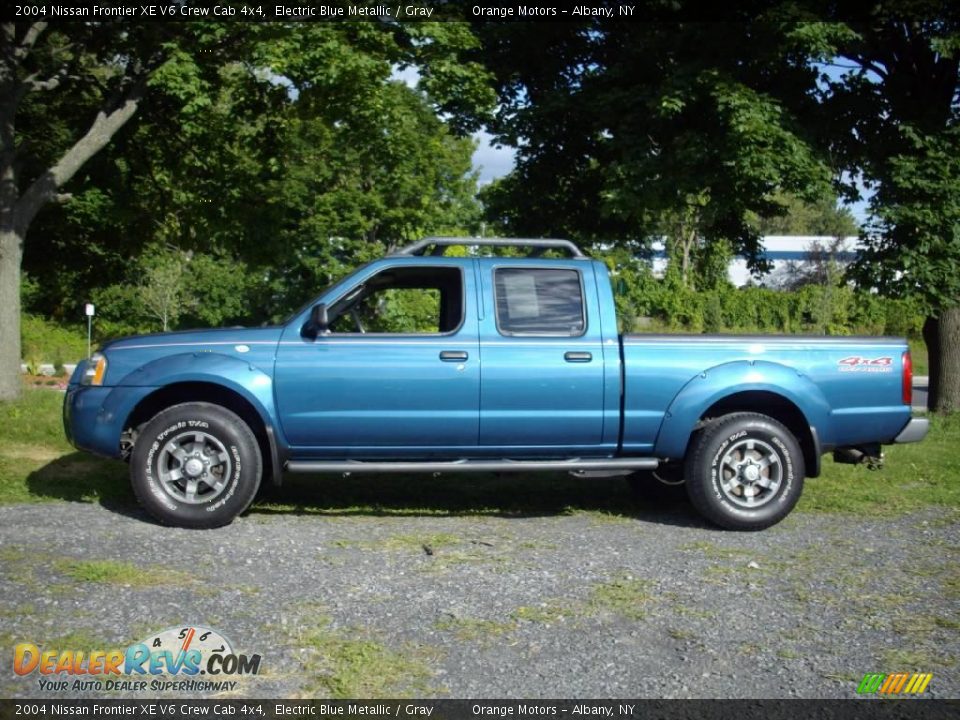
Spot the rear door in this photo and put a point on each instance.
(541, 349)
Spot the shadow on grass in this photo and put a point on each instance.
(80, 477)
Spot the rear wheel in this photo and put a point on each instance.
(196, 465)
(745, 471)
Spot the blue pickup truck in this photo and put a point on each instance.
(423, 362)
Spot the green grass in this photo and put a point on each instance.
(918, 354)
(119, 573)
(355, 666)
(919, 660)
(626, 596)
(474, 629)
(37, 464)
(420, 544)
(915, 476)
(545, 613)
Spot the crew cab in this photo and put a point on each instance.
(425, 362)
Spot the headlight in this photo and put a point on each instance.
(95, 370)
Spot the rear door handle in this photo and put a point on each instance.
(578, 357)
(453, 355)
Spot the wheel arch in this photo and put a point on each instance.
(216, 394)
(761, 387)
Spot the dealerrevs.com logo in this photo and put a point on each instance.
(185, 659)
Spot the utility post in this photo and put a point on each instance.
(89, 310)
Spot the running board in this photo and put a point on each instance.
(573, 465)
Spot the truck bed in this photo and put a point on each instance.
(668, 379)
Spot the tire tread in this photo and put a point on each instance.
(215, 520)
(699, 467)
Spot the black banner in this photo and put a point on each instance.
(873, 709)
(595, 13)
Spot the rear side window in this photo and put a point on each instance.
(539, 301)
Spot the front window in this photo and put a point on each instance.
(402, 300)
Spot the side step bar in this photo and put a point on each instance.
(400, 466)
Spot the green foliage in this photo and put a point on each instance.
(44, 341)
(274, 157)
(167, 288)
(640, 129)
(814, 309)
(889, 119)
(163, 292)
(413, 310)
(219, 286)
(353, 191)
(914, 249)
(796, 216)
(119, 312)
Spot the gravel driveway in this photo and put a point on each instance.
(583, 605)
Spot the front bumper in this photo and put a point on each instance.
(914, 431)
(94, 416)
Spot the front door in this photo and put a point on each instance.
(398, 373)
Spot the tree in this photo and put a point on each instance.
(163, 290)
(633, 130)
(72, 90)
(95, 77)
(354, 190)
(820, 217)
(890, 117)
(821, 267)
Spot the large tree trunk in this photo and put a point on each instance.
(942, 336)
(11, 250)
(16, 214)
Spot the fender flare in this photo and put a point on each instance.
(238, 376)
(721, 381)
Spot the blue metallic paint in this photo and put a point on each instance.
(345, 393)
(531, 399)
(384, 396)
(675, 379)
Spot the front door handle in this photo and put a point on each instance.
(453, 355)
(578, 357)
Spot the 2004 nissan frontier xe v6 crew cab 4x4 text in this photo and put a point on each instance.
(422, 362)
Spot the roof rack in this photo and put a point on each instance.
(440, 244)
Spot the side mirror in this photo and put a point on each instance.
(319, 321)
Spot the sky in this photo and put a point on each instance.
(491, 161)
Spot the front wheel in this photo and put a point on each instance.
(195, 465)
(744, 471)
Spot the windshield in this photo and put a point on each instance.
(313, 300)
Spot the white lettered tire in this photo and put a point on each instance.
(195, 465)
(744, 471)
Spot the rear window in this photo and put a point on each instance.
(539, 301)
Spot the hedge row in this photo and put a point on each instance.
(43, 341)
(815, 309)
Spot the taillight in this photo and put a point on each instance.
(907, 379)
